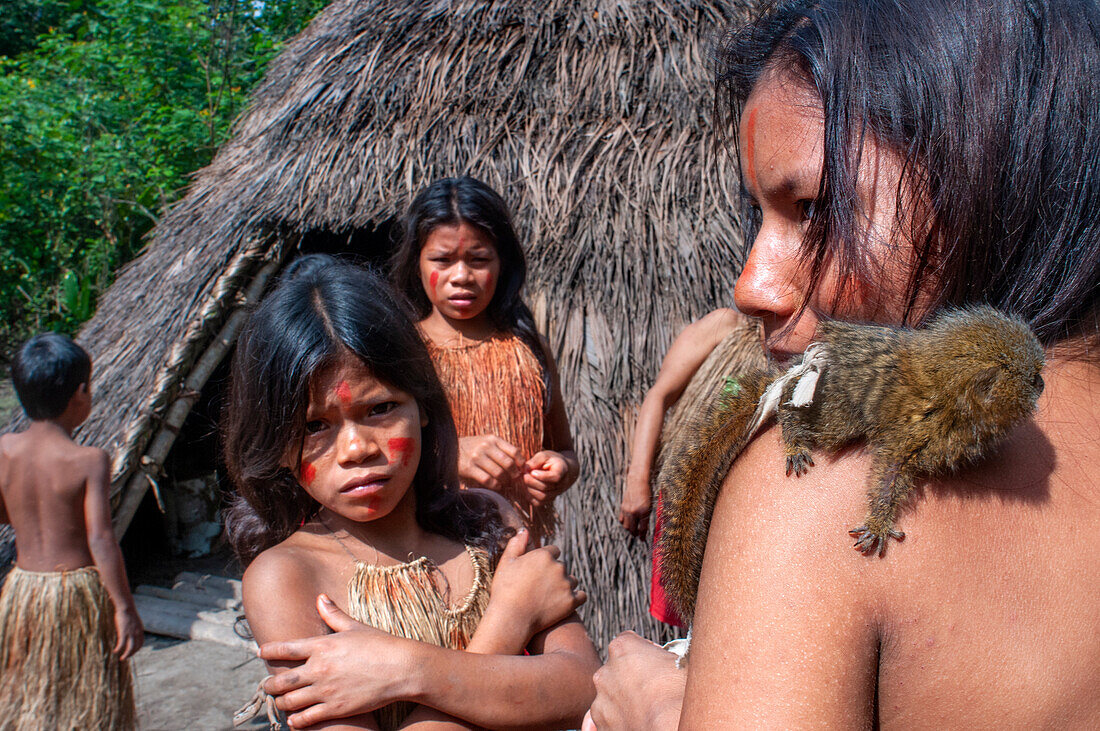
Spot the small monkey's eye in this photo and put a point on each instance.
(1038, 383)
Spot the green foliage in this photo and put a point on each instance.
(105, 109)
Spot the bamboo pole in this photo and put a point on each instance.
(162, 442)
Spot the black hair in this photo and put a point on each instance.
(320, 310)
(47, 371)
(994, 110)
(453, 201)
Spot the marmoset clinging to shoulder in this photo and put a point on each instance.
(926, 401)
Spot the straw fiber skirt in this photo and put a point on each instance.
(57, 670)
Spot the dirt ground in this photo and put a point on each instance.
(189, 684)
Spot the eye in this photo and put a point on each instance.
(807, 208)
(315, 425)
(383, 408)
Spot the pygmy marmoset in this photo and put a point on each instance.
(925, 401)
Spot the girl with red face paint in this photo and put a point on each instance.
(339, 440)
(462, 266)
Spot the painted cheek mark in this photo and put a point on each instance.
(401, 448)
(433, 280)
(307, 472)
(750, 151)
(343, 392)
(489, 283)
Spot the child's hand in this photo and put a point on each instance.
(544, 475)
(531, 589)
(353, 671)
(488, 461)
(636, 506)
(130, 633)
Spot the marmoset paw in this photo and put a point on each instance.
(868, 539)
(799, 463)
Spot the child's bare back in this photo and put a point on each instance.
(69, 589)
(44, 480)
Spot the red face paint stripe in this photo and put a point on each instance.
(401, 448)
(750, 141)
(343, 392)
(433, 280)
(308, 472)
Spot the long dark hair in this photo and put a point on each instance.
(994, 109)
(450, 202)
(321, 309)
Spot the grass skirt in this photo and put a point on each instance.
(57, 670)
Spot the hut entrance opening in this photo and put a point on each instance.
(193, 486)
(371, 245)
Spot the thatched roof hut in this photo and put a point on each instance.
(591, 117)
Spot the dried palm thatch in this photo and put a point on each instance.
(591, 117)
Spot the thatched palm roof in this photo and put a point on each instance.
(591, 117)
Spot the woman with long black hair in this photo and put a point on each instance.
(898, 157)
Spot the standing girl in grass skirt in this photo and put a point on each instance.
(339, 440)
(462, 266)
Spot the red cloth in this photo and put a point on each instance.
(659, 605)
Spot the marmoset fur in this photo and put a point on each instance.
(925, 401)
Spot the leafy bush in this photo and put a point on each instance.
(105, 109)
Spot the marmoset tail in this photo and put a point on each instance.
(926, 402)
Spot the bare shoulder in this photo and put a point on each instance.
(695, 342)
(286, 564)
(724, 319)
(94, 460)
(715, 325)
(508, 513)
(798, 522)
(783, 598)
(279, 589)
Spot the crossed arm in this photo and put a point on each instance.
(340, 678)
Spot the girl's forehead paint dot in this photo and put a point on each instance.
(308, 472)
(402, 448)
(433, 280)
(343, 392)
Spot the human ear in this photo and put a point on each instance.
(423, 415)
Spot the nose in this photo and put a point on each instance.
(462, 273)
(355, 445)
(771, 285)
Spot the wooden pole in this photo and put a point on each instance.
(161, 443)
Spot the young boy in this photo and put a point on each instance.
(67, 620)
